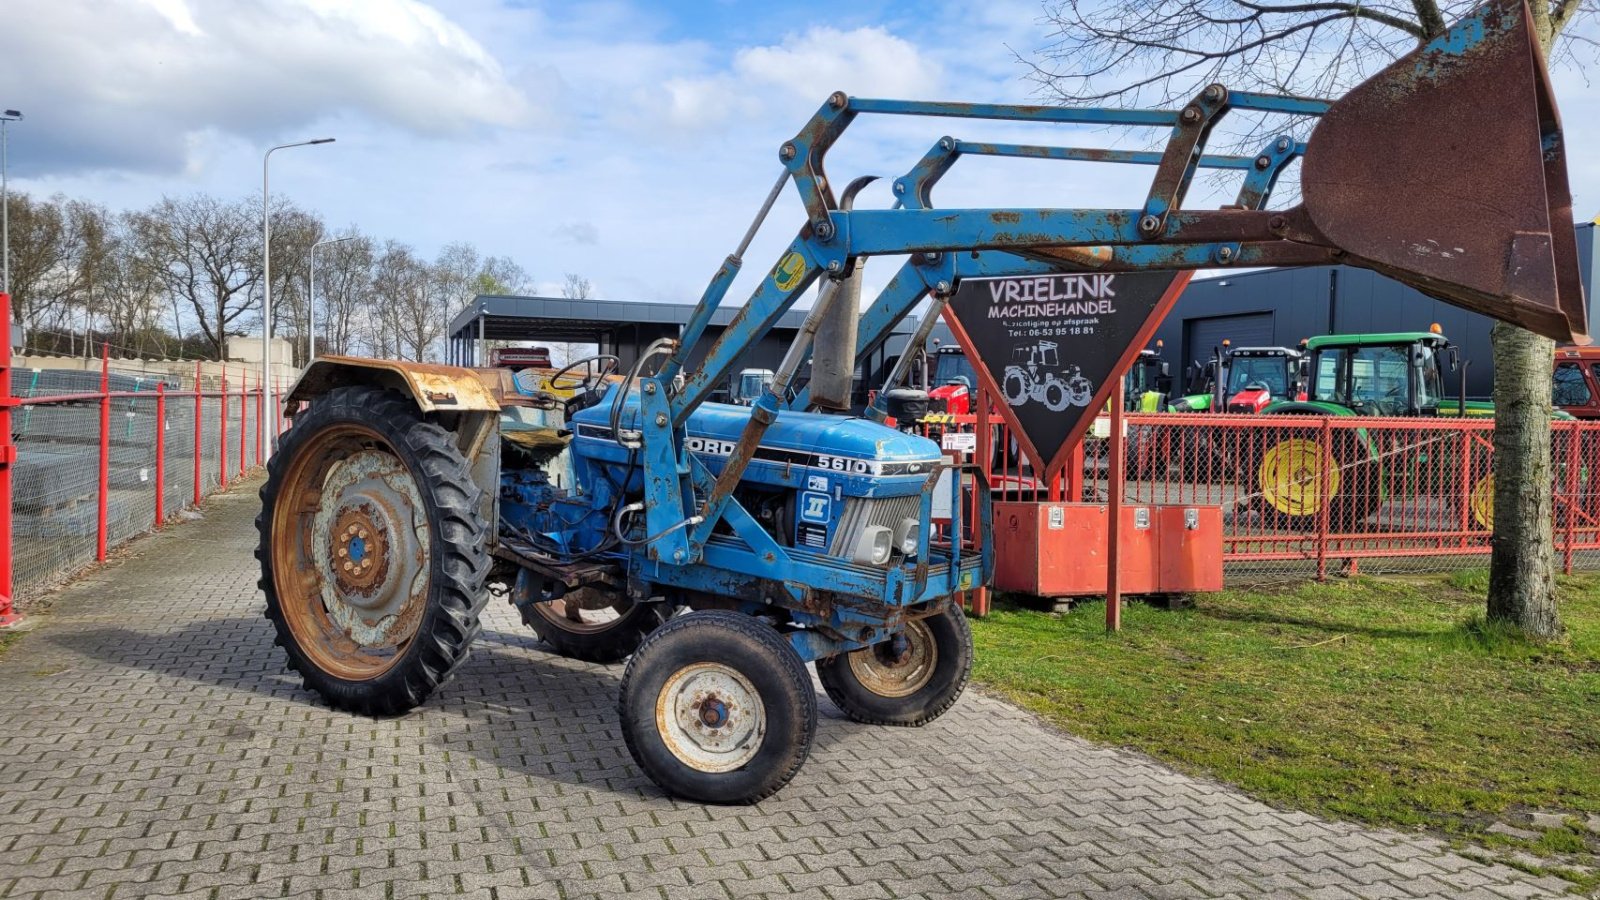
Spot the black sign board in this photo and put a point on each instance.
(1049, 347)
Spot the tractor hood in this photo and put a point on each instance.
(859, 446)
(1251, 400)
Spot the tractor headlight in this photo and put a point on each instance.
(905, 536)
(874, 545)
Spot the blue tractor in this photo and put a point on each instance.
(721, 548)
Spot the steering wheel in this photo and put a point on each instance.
(595, 370)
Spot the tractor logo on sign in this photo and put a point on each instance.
(1035, 376)
(1049, 348)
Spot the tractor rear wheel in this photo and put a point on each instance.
(373, 555)
(1296, 480)
(716, 706)
(910, 679)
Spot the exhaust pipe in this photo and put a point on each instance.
(833, 350)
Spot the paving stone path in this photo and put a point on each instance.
(152, 744)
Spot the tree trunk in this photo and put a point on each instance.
(1522, 564)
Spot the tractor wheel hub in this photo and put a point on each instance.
(371, 545)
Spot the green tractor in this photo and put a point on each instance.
(1148, 382)
(1244, 380)
(1396, 374)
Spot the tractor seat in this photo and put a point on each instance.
(536, 437)
(529, 436)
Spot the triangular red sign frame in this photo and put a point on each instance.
(1102, 393)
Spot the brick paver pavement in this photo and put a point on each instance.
(152, 743)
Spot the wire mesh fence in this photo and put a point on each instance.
(102, 457)
(1307, 496)
(1302, 496)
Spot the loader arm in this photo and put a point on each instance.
(1531, 285)
(937, 273)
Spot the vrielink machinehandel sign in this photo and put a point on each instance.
(1048, 347)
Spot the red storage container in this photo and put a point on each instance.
(1059, 549)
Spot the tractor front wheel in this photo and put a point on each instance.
(717, 707)
(373, 555)
(910, 679)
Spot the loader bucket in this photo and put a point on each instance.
(1447, 171)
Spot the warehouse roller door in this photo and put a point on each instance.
(1201, 336)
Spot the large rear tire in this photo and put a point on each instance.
(1296, 480)
(373, 555)
(909, 680)
(717, 707)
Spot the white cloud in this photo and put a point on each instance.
(866, 61)
(577, 232)
(803, 67)
(126, 84)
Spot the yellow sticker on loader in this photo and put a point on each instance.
(789, 271)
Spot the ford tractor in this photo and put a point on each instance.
(722, 549)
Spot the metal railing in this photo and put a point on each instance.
(1306, 496)
(90, 460)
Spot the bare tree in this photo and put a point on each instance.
(577, 287)
(344, 291)
(502, 275)
(413, 302)
(294, 232)
(206, 252)
(1157, 52)
(187, 272)
(44, 250)
(124, 287)
(455, 275)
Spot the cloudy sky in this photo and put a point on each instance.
(627, 142)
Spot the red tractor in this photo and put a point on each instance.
(1245, 380)
(520, 358)
(951, 381)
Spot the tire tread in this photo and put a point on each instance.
(459, 547)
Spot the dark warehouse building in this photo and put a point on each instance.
(1280, 307)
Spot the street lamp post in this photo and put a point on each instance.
(266, 290)
(6, 118)
(311, 297)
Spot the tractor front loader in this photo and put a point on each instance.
(724, 547)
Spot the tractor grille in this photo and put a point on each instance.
(862, 513)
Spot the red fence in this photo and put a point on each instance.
(89, 460)
(1332, 491)
(1306, 496)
